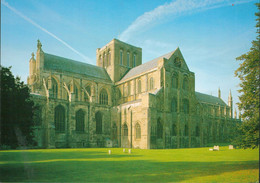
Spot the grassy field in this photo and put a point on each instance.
(96, 165)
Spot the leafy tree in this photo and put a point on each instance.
(249, 75)
(16, 111)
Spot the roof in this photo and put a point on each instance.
(204, 98)
(157, 91)
(145, 67)
(53, 62)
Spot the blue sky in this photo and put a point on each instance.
(210, 34)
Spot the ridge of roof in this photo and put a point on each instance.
(209, 99)
(146, 66)
(53, 62)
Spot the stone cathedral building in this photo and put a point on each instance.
(124, 103)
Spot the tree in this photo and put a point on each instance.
(249, 75)
(16, 111)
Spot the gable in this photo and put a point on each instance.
(148, 66)
(177, 60)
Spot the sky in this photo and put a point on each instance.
(209, 33)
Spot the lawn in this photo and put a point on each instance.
(96, 165)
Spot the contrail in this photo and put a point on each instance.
(172, 9)
(43, 29)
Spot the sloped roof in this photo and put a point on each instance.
(53, 62)
(145, 67)
(157, 91)
(204, 98)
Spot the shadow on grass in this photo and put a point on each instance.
(119, 171)
(24, 156)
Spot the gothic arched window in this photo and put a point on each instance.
(174, 105)
(185, 85)
(137, 131)
(125, 130)
(76, 91)
(197, 132)
(151, 83)
(128, 59)
(80, 119)
(139, 86)
(53, 86)
(159, 129)
(175, 81)
(186, 106)
(109, 58)
(59, 118)
(186, 130)
(98, 117)
(174, 130)
(103, 97)
(134, 60)
(121, 57)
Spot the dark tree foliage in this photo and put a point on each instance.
(249, 75)
(16, 111)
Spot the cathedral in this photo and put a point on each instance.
(121, 102)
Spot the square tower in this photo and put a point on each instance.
(118, 58)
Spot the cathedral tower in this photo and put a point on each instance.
(118, 58)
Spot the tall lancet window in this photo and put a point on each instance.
(80, 116)
(121, 57)
(103, 97)
(59, 118)
(134, 60)
(54, 87)
(137, 131)
(109, 58)
(128, 59)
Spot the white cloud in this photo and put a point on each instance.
(173, 9)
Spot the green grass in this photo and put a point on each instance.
(96, 165)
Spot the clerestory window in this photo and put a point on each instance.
(121, 57)
(128, 59)
(103, 97)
